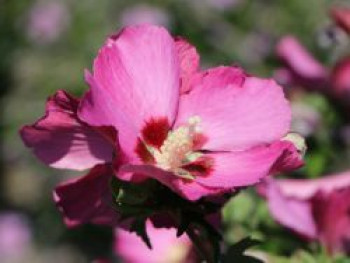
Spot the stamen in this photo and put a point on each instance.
(298, 141)
(177, 148)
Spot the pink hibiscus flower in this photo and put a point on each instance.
(315, 209)
(167, 247)
(15, 237)
(301, 67)
(47, 20)
(199, 133)
(61, 140)
(341, 16)
(341, 79)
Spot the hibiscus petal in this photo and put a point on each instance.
(242, 168)
(166, 246)
(305, 68)
(136, 78)
(189, 62)
(235, 117)
(104, 114)
(87, 199)
(188, 189)
(341, 16)
(61, 140)
(294, 214)
(341, 80)
(305, 189)
(289, 160)
(331, 212)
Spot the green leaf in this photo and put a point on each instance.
(245, 243)
(235, 253)
(184, 224)
(129, 193)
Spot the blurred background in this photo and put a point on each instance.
(46, 44)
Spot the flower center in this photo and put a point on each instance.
(177, 149)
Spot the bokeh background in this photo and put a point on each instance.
(46, 45)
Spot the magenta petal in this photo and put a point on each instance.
(96, 108)
(331, 212)
(289, 160)
(220, 77)
(166, 246)
(190, 190)
(341, 79)
(242, 168)
(234, 117)
(61, 140)
(87, 199)
(189, 62)
(341, 16)
(194, 190)
(313, 208)
(135, 78)
(302, 64)
(293, 213)
(305, 189)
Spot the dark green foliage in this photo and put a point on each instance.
(235, 253)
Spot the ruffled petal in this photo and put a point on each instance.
(136, 78)
(290, 159)
(87, 199)
(341, 16)
(61, 140)
(305, 189)
(304, 67)
(292, 213)
(190, 190)
(313, 208)
(105, 115)
(340, 78)
(189, 63)
(236, 112)
(243, 168)
(331, 212)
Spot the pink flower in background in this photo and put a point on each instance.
(199, 133)
(15, 237)
(140, 14)
(304, 70)
(60, 139)
(340, 78)
(333, 220)
(341, 16)
(315, 209)
(302, 67)
(166, 247)
(47, 21)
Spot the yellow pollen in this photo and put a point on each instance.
(177, 149)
